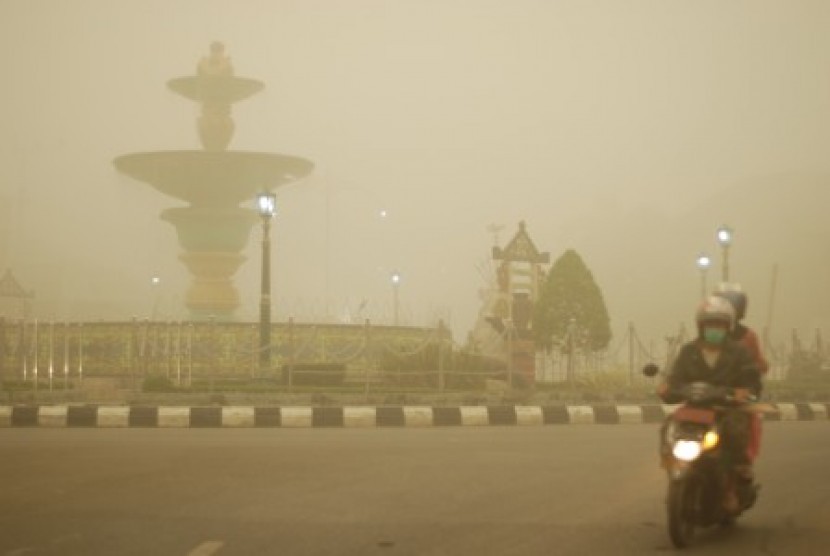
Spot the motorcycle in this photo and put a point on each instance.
(693, 453)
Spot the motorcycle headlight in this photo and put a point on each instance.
(687, 450)
(710, 440)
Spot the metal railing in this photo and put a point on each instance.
(216, 356)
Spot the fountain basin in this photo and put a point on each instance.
(211, 178)
(222, 89)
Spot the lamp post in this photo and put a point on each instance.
(724, 235)
(703, 263)
(267, 204)
(155, 281)
(396, 282)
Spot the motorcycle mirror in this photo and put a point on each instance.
(651, 370)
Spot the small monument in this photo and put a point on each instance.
(509, 304)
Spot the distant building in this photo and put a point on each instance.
(15, 302)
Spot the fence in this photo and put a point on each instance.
(37, 355)
(573, 363)
(307, 356)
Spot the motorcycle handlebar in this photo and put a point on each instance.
(699, 392)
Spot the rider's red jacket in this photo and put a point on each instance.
(750, 341)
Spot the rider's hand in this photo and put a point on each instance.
(741, 395)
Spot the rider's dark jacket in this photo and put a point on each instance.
(735, 368)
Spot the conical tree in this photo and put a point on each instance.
(570, 295)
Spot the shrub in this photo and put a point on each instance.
(158, 384)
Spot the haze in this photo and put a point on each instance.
(625, 130)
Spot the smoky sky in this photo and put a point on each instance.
(626, 130)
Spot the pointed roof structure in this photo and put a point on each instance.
(10, 287)
(521, 249)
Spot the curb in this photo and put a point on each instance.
(358, 416)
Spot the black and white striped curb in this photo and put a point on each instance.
(358, 416)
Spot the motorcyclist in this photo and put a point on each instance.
(746, 336)
(714, 357)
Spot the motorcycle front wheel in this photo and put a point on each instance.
(682, 506)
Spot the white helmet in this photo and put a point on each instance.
(715, 309)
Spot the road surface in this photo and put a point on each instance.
(568, 489)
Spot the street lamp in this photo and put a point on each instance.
(396, 282)
(154, 282)
(724, 235)
(267, 204)
(703, 263)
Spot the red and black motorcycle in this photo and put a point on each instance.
(700, 473)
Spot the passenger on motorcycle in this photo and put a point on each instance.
(740, 332)
(746, 336)
(714, 357)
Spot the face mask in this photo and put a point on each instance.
(714, 335)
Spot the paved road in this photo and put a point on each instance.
(591, 489)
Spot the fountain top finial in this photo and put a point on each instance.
(215, 63)
(214, 82)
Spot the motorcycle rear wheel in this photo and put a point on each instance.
(682, 507)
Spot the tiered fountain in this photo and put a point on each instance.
(213, 230)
